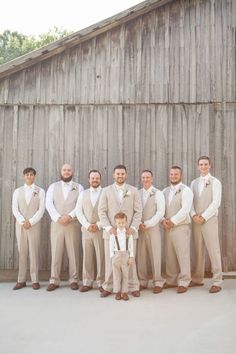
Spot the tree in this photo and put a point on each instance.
(15, 44)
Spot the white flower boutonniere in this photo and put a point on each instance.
(207, 183)
(153, 192)
(178, 191)
(35, 192)
(127, 193)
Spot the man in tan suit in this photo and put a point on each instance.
(61, 201)
(206, 202)
(176, 223)
(149, 242)
(28, 205)
(87, 214)
(119, 197)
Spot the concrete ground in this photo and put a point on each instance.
(66, 322)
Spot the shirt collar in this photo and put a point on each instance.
(95, 189)
(205, 178)
(148, 191)
(121, 231)
(175, 187)
(120, 187)
(29, 187)
(67, 183)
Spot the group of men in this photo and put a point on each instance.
(179, 209)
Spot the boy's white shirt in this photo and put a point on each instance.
(121, 235)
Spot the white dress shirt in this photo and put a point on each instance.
(94, 195)
(121, 235)
(28, 195)
(66, 188)
(187, 200)
(212, 209)
(160, 204)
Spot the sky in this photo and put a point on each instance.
(35, 17)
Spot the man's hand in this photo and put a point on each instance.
(130, 260)
(167, 224)
(130, 231)
(65, 220)
(112, 231)
(26, 225)
(93, 228)
(198, 219)
(142, 227)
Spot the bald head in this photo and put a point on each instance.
(67, 172)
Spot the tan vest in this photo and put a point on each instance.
(65, 206)
(202, 202)
(175, 205)
(28, 211)
(150, 207)
(90, 212)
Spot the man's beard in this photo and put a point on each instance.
(66, 179)
(174, 183)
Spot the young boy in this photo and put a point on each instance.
(122, 255)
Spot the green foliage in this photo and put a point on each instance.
(15, 44)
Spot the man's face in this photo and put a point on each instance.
(175, 176)
(66, 173)
(120, 176)
(204, 167)
(94, 179)
(29, 178)
(120, 223)
(146, 179)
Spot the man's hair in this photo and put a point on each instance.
(120, 167)
(176, 168)
(148, 172)
(28, 170)
(120, 216)
(94, 171)
(204, 158)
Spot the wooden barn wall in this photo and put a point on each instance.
(156, 91)
(99, 136)
(182, 52)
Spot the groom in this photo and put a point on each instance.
(119, 197)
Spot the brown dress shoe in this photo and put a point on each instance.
(118, 296)
(52, 287)
(74, 286)
(100, 289)
(19, 286)
(135, 293)
(125, 296)
(181, 289)
(36, 286)
(85, 288)
(157, 290)
(215, 289)
(192, 284)
(105, 293)
(142, 287)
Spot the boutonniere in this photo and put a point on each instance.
(74, 188)
(153, 192)
(127, 193)
(178, 191)
(35, 192)
(207, 183)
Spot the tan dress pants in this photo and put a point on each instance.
(93, 243)
(133, 278)
(120, 269)
(205, 236)
(28, 242)
(149, 248)
(177, 248)
(62, 236)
